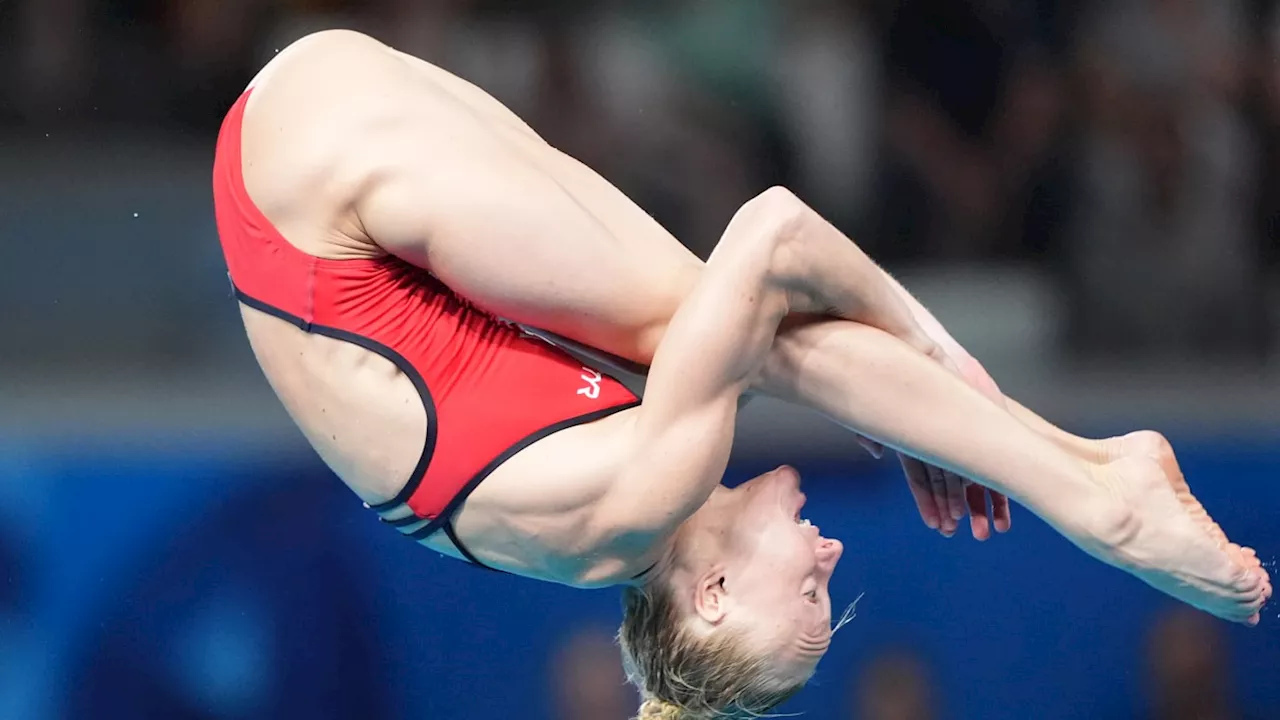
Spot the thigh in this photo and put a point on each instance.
(518, 227)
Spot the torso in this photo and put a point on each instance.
(360, 412)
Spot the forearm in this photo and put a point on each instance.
(867, 380)
(842, 281)
(715, 346)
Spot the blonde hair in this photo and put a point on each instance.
(658, 710)
(683, 677)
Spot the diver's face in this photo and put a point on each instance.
(773, 568)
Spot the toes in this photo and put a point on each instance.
(1247, 585)
(1238, 557)
(1260, 592)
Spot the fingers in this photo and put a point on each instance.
(925, 345)
(976, 498)
(955, 489)
(942, 498)
(952, 495)
(1001, 512)
(979, 379)
(936, 352)
(921, 491)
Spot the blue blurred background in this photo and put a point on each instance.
(1087, 194)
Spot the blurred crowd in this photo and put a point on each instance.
(1127, 152)
(1127, 149)
(1184, 675)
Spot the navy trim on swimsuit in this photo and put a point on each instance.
(419, 384)
(443, 520)
(407, 520)
(447, 512)
(587, 354)
(457, 542)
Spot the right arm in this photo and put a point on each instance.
(713, 350)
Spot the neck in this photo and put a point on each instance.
(658, 561)
(620, 567)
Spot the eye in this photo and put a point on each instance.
(812, 595)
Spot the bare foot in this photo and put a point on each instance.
(1150, 444)
(1165, 537)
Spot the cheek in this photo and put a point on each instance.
(772, 564)
(789, 557)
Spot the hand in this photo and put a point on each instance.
(942, 497)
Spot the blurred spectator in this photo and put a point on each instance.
(692, 135)
(1161, 256)
(827, 77)
(1187, 673)
(973, 123)
(588, 680)
(53, 56)
(896, 686)
(210, 43)
(1268, 82)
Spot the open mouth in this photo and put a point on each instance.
(801, 521)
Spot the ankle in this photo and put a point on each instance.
(1099, 452)
(1110, 520)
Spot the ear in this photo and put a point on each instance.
(710, 598)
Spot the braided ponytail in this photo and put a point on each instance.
(654, 709)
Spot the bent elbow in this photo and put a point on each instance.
(776, 214)
(772, 225)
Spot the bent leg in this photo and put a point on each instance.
(899, 400)
(519, 228)
(524, 230)
(1134, 512)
